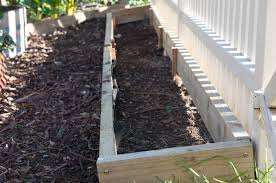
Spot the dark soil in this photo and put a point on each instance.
(50, 111)
(152, 111)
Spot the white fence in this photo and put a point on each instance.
(234, 42)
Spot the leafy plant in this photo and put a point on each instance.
(6, 42)
(39, 9)
(136, 2)
(70, 7)
(130, 2)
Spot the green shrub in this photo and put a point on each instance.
(6, 42)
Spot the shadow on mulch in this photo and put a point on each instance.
(152, 112)
(50, 111)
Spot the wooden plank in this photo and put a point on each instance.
(48, 26)
(109, 37)
(114, 22)
(131, 14)
(212, 160)
(160, 38)
(151, 16)
(174, 61)
(113, 53)
(107, 135)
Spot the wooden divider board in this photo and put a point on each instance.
(109, 30)
(107, 135)
(131, 14)
(212, 160)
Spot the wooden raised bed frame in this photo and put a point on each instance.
(231, 140)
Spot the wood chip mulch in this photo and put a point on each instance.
(50, 110)
(152, 111)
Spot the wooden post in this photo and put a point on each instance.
(151, 16)
(113, 50)
(174, 61)
(113, 54)
(114, 23)
(160, 38)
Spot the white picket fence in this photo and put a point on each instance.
(234, 42)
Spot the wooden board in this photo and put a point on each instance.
(212, 160)
(48, 26)
(107, 135)
(109, 30)
(131, 14)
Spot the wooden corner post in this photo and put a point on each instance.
(114, 23)
(174, 61)
(151, 16)
(160, 38)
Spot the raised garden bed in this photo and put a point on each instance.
(151, 111)
(128, 140)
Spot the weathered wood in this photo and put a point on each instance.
(50, 25)
(151, 16)
(114, 22)
(113, 53)
(160, 38)
(131, 14)
(109, 31)
(107, 135)
(174, 62)
(212, 160)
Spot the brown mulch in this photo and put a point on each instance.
(152, 112)
(50, 111)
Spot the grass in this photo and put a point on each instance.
(241, 176)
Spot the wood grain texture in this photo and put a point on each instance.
(212, 160)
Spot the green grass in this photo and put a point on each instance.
(239, 176)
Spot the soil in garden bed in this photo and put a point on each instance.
(50, 111)
(152, 111)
